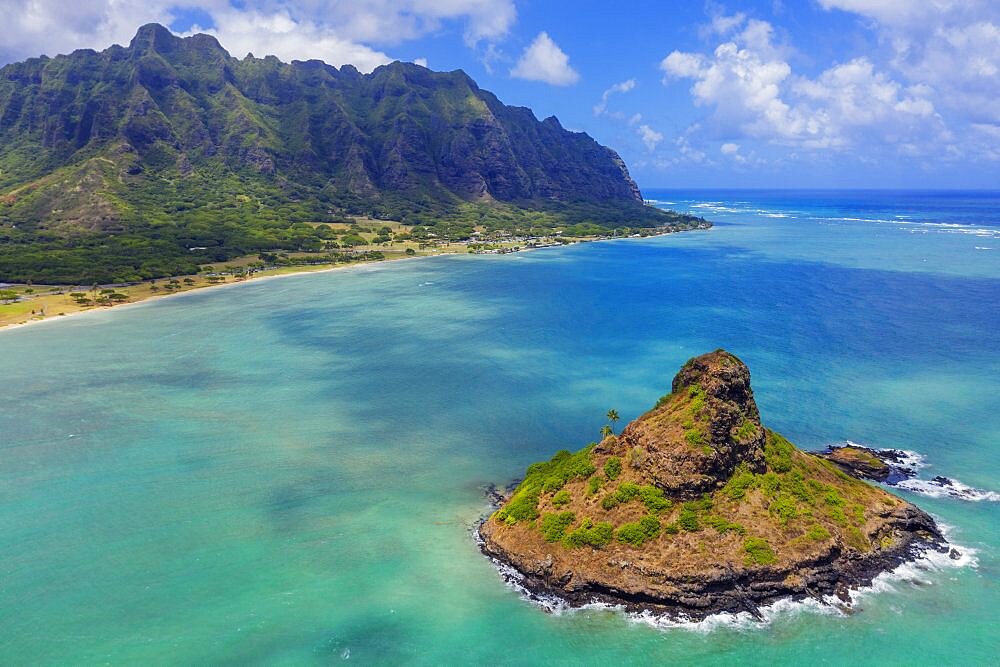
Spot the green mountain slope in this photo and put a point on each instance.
(115, 165)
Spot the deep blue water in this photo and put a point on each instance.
(287, 471)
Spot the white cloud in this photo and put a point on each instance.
(338, 31)
(680, 64)
(242, 32)
(601, 107)
(950, 46)
(649, 136)
(888, 11)
(544, 61)
(420, 61)
(722, 24)
(732, 151)
(60, 26)
(687, 152)
(754, 93)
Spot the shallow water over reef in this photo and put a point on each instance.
(288, 471)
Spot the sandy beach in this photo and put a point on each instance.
(263, 276)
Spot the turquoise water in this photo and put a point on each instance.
(288, 471)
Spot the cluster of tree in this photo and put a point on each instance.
(99, 297)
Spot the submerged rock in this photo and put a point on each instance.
(696, 508)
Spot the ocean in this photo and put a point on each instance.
(290, 471)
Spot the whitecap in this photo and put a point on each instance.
(922, 226)
(948, 488)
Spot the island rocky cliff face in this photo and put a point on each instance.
(696, 508)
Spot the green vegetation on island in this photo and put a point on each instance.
(695, 500)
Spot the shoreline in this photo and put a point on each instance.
(203, 288)
(947, 554)
(326, 269)
(846, 578)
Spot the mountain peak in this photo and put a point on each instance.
(698, 434)
(723, 376)
(206, 42)
(154, 37)
(404, 143)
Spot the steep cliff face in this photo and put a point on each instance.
(696, 508)
(150, 159)
(402, 129)
(697, 435)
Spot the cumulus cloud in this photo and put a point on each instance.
(544, 61)
(753, 92)
(887, 11)
(649, 136)
(601, 108)
(281, 35)
(338, 31)
(59, 26)
(951, 47)
(723, 25)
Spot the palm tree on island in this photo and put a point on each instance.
(606, 431)
(613, 416)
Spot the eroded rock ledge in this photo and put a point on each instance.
(696, 508)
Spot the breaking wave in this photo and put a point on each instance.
(907, 463)
(921, 572)
(943, 487)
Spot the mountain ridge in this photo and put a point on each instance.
(171, 139)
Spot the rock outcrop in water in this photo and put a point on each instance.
(896, 467)
(696, 508)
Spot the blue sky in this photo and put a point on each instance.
(776, 93)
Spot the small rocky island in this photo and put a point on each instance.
(696, 508)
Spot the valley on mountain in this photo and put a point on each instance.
(167, 155)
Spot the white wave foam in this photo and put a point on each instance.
(944, 487)
(848, 219)
(983, 247)
(717, 208)
(911, 460)
(950, 489)
(918, 573)
(906, 458)
(924, 226)
(741, 621)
